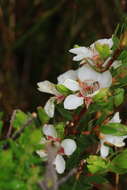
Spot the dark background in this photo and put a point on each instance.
(35, 36)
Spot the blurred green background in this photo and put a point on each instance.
(35, 36)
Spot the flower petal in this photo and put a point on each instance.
(87, 73)
(71, 74)
(59, 163)
(69, 146)
(82, 52)
(71, 84)
(104, 150)
(42, 154)
(72, 102)
(50, 107)
(115, 140)
(49, 130)
(116, 118)
(47, 87)
(105, 79)
(103, 41)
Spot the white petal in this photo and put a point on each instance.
(47, 87)
(69, 146)
(50, 107)
(115, 140)
(104, 150)
(105, 79)
(72, 102)
(59, 163)
(42, 154)
(103, 41)
(71, 74)
(71, 84)
(87, 73)
(116, 118)
(106, 41)
(49, 130)
(82, 52)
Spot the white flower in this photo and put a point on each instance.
(117, 141)
(89, 52)
(87, 83)
(65, 147)
(84, 82)
(50, 88)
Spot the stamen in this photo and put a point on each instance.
(89, 87)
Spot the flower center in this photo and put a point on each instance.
(88, 88)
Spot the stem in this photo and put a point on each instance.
(117, 182)
(73, 124)
(116, 54)
(11, 124)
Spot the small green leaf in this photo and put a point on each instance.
(63, 90)
(103, 50)
(115, 42)
(20, 119)
(96, 164)
(35, 136)
(119, 96)
(60, 129)
(65, 113)
(116, 129)
(101, 95)
(76, 46)
(119, 163)
(43, 117)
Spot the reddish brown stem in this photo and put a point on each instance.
(71, 127)
(116, 54)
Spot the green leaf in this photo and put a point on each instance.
(60, 129)
(95, 179)
(1, 125)
(101, 95)
(35, 136)
(116, 129)
(119, 163)
(96, 164)
(17, 185)
(6, 158)
(20, 119)
(115, 42)
(103, 50)
(63, 90)
(65, 113)
(43, 117)
(119, 96)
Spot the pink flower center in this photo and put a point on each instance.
(89, 87)
(53, 139)
(61, 151)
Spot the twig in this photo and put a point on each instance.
(11, 124)
(19, 132)
(73, 124)
(116, 54)
(64, 179)
(50, 181)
